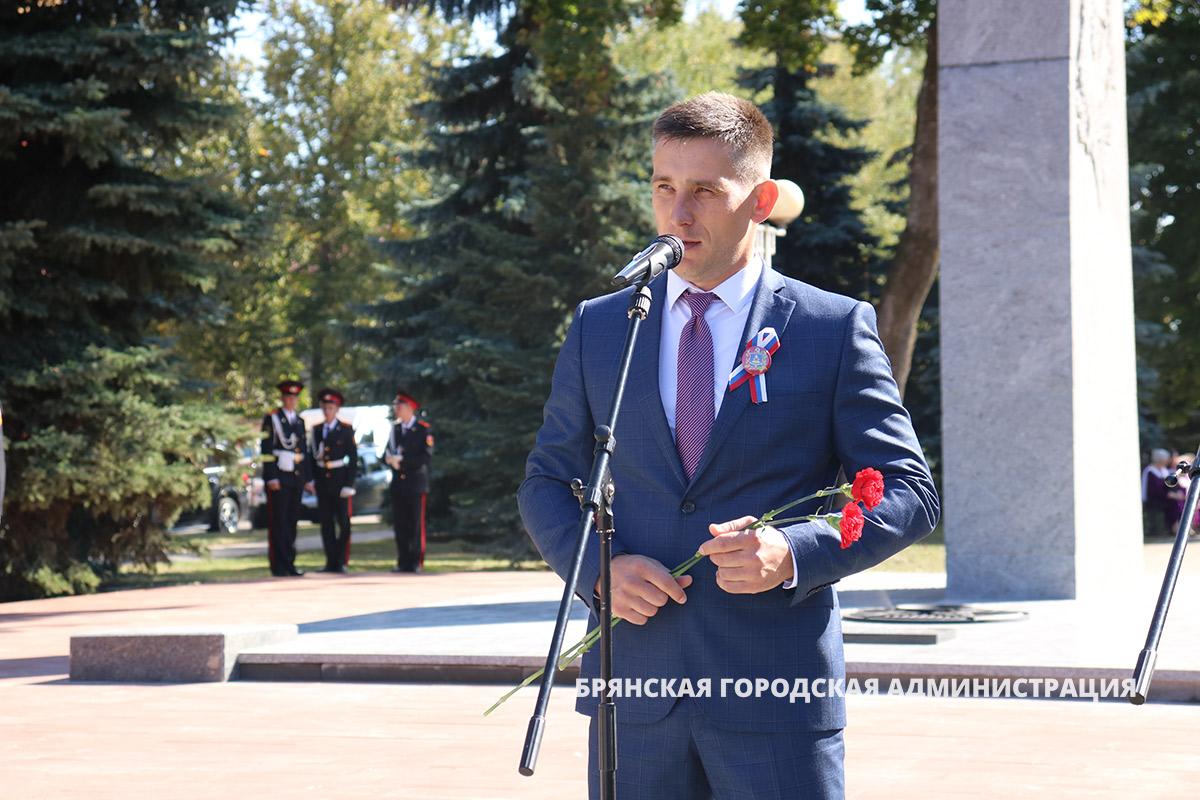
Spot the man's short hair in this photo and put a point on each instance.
(732, 120)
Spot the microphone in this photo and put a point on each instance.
(664, 253)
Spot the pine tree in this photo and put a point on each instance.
(98, 242)
(543, 151)
(828, 245)
(1163, 70)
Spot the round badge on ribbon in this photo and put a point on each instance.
(756, 360)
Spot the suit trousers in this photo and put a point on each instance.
(685, 757)
(333, 512)
(283, 509)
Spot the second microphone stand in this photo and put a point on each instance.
(1143, 673)
(595, 498)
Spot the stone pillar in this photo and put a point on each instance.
(1039, 428)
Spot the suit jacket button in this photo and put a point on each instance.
(688, 507)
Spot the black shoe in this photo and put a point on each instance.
(328, 568)
(295, 573)
(399, 569)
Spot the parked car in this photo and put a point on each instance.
(372, 425)
(230, 492)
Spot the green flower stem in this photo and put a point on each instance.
(766, 519)
(585, 644)
(806, 518)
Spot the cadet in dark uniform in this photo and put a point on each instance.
(287, 472)
(408, 452)
(334, 468)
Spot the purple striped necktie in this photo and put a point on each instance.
(694, 404)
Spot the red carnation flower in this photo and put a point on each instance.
(851, 524)
(868, 487)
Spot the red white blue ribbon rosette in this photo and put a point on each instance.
(756, 360)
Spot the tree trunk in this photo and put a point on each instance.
(915, 266)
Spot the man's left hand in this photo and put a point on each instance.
(748, 561)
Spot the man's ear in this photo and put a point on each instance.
(766, 195)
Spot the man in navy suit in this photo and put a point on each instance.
(711, 650)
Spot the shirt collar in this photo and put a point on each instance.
(736, 291)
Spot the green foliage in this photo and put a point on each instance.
(1164, 106)
(237, 343)
(101, 239)
(1145, 14)
(100, 461)
(695, 55)
(323, 149)
(793, 32)
(894, 24)
(828, 245)
(885, 99)
(544, 152)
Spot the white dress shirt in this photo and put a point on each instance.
(727, 321)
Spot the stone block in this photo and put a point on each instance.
(1039, 422)
(1003, 146)
(169, 655)
(1014, 30)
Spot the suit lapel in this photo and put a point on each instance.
(643, 379)
(769, 309)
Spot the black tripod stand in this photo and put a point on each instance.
(1149, 655)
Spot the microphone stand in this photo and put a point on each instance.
(1144, 670)
(595, 499)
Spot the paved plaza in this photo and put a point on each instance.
(428, 740)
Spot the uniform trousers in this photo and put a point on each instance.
(283, 509)
(408, 520)
(333, 512)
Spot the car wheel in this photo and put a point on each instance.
(229, 514)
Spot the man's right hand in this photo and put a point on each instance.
(273, 486)
(641, 586)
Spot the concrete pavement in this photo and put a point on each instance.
(333, 739)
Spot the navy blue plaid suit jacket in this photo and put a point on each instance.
(832, 403)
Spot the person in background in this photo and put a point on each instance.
(408, 452)
(334, 469)
(1160, 511)
(287, 473)
(1179, 494)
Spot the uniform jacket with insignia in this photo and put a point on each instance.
(334, 457)
(279, 438)
(417, 448)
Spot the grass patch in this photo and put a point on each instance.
(927, 555)
(442, 555)
(372, 556)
